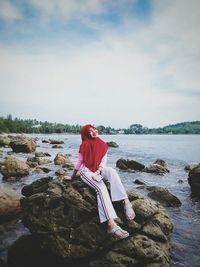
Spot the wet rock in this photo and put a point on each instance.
(21, 143)
(45, 141)
(26, 252)
(156, 168)
(9, 203)
(56, 142)
(160, 162)
(42, 161)
(163, 196)
(2, 263)
(112, 144)
(14, 168)
(188, 167)
(57, 146)
(61, 159)
(32, 162)
(42, 170)
(60, 172)
(129, 164)
(42, 154)
(137, 181)
(65, 218)
(180, 181)
(35, 161)
(4, 140)
(194, 180)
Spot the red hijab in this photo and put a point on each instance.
(92, 149)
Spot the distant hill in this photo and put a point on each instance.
(192, 127)
(184, 127)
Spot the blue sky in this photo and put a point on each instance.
(104, 62)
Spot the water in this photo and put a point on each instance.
(176, 150)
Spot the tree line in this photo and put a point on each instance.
(16, 125)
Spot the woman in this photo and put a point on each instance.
(92, 165)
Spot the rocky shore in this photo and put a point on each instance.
(62, 215)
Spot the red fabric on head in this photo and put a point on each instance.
(92, 149)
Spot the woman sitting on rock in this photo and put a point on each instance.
(93, 171)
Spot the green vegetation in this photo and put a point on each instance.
(10, 125)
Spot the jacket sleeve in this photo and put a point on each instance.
(79, 162)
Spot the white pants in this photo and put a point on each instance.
(105, 206)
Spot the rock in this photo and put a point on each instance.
(163, 196)
(112, 144)
(2, 263)
(57, 146)
(194, 180)
(56, 142)
(62, 159)
(42, 154)
(60, 172)
(137, 181)
(156, 168)
(1, 154)
(26, 252)
(42, 161)
(34, 161)
(188, 167)
(180, 181)
(14, 168)
(21, 143)
(129, 164)
(65, 218)
(160, 162)
(42, 170)
(4, 140)
(45, 141)
(9, 203)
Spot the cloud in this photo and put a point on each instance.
(133, 70)
(9, 11)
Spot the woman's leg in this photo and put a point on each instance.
(105, 206)
(117, 189)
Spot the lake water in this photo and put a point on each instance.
(176, 150)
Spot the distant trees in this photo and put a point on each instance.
(10, 125)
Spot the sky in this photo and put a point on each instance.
(104, 62)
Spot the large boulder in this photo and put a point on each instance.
(194, 180)
(21, 143)
(64, 217)
(129, 164)
(163, 196)
(13, 168)
(9, 203)
(156, 168)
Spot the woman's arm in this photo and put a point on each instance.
(77, 165)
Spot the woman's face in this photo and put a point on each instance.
(93, 132)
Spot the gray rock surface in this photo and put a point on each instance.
(64, 216)
(129, 164)
(194, 180)
(21, 143)
(13, 168)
